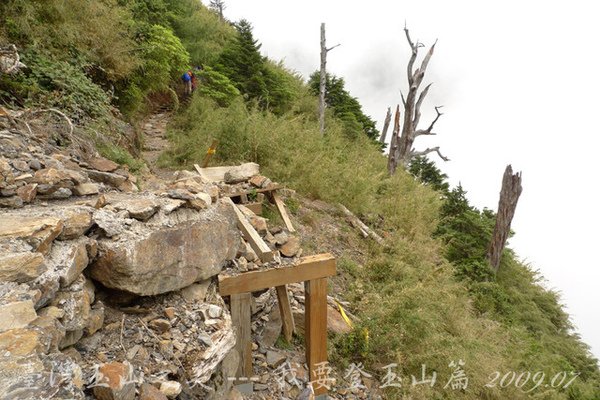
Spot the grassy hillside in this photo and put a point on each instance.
(425, 297)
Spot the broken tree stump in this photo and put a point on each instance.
(509, 196)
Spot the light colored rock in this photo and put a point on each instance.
(77, 221)
(102, 164)
(21, 267)
(139, 208)
(160, 325)
(291, 247)
(52, 332)
(200, 201)
(16, 315)
(171, 389)
(86, 189)
(76, 306)
(70, 338)
(217, 174)
(95, 321)
(196, 292)
(115, 382)
(170, 205)
(38, 232)
(169, 255)
(248, 253)
(11, 202)
(20, 342)
(27, 193)
(214, 311)
(240, 173)
(281, 238)
(149, 392)
(275, 358)
(259, 223)
(108, 178)
(69, 259)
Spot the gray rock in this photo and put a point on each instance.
(171, 253)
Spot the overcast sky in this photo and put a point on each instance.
(519, 81)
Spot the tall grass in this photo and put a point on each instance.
(410, 301)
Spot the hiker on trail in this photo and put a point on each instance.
(187, 82)
(194, 80)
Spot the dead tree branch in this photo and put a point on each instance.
(394, 142)
(323, 78)
(404, 151)
(386, 125)
(509, 196)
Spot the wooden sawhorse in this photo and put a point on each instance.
(313, 271)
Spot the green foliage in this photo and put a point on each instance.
(265, 83)
(95, 31)
(120, 156)
(217, 86)
(427, 172)
(64, 86)
(346, 107)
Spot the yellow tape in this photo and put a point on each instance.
(211, 151)
(350, 324)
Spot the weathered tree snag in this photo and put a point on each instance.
(323, 78)
(404, 152)
(509, 196)
(386, 125)
(218, 6)
(393, 154)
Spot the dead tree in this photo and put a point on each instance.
(386, 125)
(509, 196)
(405, 151)
(392, 160)
(323, 80)
(218, 6)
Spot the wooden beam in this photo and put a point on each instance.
(282, 211)
(285, 310)
(309, 268)
(262, 250)
(240, 319)
(315, 315)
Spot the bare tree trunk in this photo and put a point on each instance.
(404, 151)
(386, 125)
(509, 196)
(323, 81)
(392, 160)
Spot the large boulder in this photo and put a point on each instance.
(169, 252)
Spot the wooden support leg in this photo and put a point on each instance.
(316, 331)
(240, 318)
(285, 309)
(282, 211)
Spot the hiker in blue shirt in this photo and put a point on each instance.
(187, 82)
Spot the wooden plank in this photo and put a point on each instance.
(240, 318)
(209, 153)
(315, 315)
(282, 211)
(217, 174)
(285, 310)
(310, 267)
(251, 191)
(256, 208)
(262, 250)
